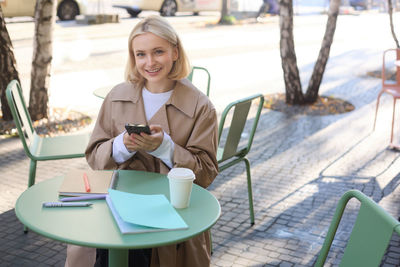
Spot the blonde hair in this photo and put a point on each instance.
(160, 27)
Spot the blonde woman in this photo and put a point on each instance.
(183, 128)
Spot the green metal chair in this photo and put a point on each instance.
(41, 148)
(206, 73)
(370, 236)
(230, 153)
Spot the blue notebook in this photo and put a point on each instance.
(135, 213)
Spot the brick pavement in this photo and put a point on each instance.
(301, 165)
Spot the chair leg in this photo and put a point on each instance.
(394, 111)
(250, 191)
(31, 181)
(376, 110)
(32, 173)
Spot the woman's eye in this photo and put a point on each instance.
(139, 54)
(159, 52)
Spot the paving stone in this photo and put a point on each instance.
(222, 263)
(228, 257)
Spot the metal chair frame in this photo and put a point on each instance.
(40, 148)
(196, 69)
(392, 89)
(370, 236)
(230, 154)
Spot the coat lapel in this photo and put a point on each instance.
(129, 93)
(161, 119)
(182, 99)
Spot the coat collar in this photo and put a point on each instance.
(184, 97)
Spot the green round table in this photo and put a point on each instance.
(102, 92)
(94, 226)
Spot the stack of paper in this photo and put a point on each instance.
(136, 213)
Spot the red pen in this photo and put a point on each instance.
(86, 181)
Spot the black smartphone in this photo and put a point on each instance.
(137, 128)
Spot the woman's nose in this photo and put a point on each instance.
(150, 60)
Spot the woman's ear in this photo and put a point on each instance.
(175, 55)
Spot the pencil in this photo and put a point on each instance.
(86, 181)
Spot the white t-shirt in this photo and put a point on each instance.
(152, 103)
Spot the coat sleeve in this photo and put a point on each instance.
(200, 152)
(99, 150)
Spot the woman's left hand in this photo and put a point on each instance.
(149, 142)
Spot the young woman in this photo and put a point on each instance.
(183, 128)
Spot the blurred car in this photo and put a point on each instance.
(66, 9)
(167, 7)
(369, 4)
(358, 4)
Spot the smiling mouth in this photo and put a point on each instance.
(153, 70)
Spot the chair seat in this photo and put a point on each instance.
(238, 154)
(393, 90)
(59, 147)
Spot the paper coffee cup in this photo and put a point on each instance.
(180, 186)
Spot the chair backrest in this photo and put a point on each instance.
(238, 121)
(370, 236)
(205, 73)
(385, 62)
(19, 111)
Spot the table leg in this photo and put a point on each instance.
(118, 257)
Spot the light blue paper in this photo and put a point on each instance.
(131, 228)
(146, 210)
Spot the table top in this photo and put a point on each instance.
(102, 92)
(95, 227)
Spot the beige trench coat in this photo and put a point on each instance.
(190, 119)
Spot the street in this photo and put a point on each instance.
(243, 59)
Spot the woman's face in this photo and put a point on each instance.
(154, 58)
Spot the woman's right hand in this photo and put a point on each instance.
(144, 142)
(129, 142)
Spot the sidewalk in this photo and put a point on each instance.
(301, 165)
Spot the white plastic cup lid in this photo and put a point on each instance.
(181, 173)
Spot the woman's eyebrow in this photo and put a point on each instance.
(155, 48)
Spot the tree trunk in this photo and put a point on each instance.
(45, 15)
(390, 10)
(294, 94)
(8, 68)
(319, 67)
(224, 9)
(226, 17)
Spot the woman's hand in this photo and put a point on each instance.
(144, 142)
